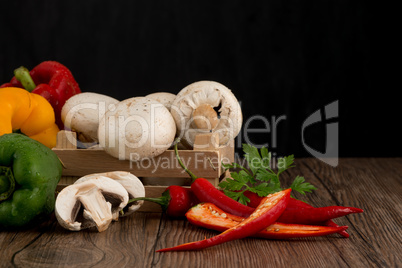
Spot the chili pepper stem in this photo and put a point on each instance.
(193, 177)
(158, 200)
(23, 76)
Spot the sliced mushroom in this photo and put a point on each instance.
(165, 98)
(206, 106)
(90, 203)
(130, 182)
(138, 128)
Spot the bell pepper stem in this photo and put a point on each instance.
(23, 76)
(7, 183)
(193, 177)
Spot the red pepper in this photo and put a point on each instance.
(51, 80)
(209, 216)
(205, 191)
(300, 212)
(305, 215)
(293, 204)
(331, 223)
(175, 200)
(264, 215)
(255, 200)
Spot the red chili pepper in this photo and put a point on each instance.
(331, 223)
(264, 215)
(255, 200)
(175, 200)
(293, 204)
(205, 191)
(209, 216)
(51, 80)
(304, 215)
(295, 212)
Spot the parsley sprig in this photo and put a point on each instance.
(259, 177)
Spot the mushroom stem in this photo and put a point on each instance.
(193, 177)
(130, 182)
(205, 117)
(96, 208)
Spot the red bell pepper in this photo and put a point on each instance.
(51, 80)
(175, 200)
(209, 216)
(264, 215)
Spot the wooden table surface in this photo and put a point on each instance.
(373, 184)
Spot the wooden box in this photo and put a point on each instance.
(204, 160)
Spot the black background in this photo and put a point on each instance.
(280, 58)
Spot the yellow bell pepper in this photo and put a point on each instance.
(29, 113)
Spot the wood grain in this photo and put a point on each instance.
(204, 159)
(80, 162)
(375, 236)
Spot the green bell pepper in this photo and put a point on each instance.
(29, 174)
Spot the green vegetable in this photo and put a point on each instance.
(260, 177)
(29, 174)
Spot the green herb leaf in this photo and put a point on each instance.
(253, 157)
(285, 163)
(239, 181)
(261, 189)
(299, 185)
(238, 196)
(266, 158)
(267, 175)
(259, 177)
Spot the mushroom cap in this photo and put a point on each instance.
(81, 113)
(165, 98)
(204, 98)
(138, 128)
(130, 182)
(100, 197)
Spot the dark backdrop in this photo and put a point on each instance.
(282, 59)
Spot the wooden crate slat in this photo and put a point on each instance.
(204, 160)
(80, 162)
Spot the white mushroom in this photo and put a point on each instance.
(165, 98)
(81, 113)
(138, 128)
(90, 203)
(130, 182)
(207, 106)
